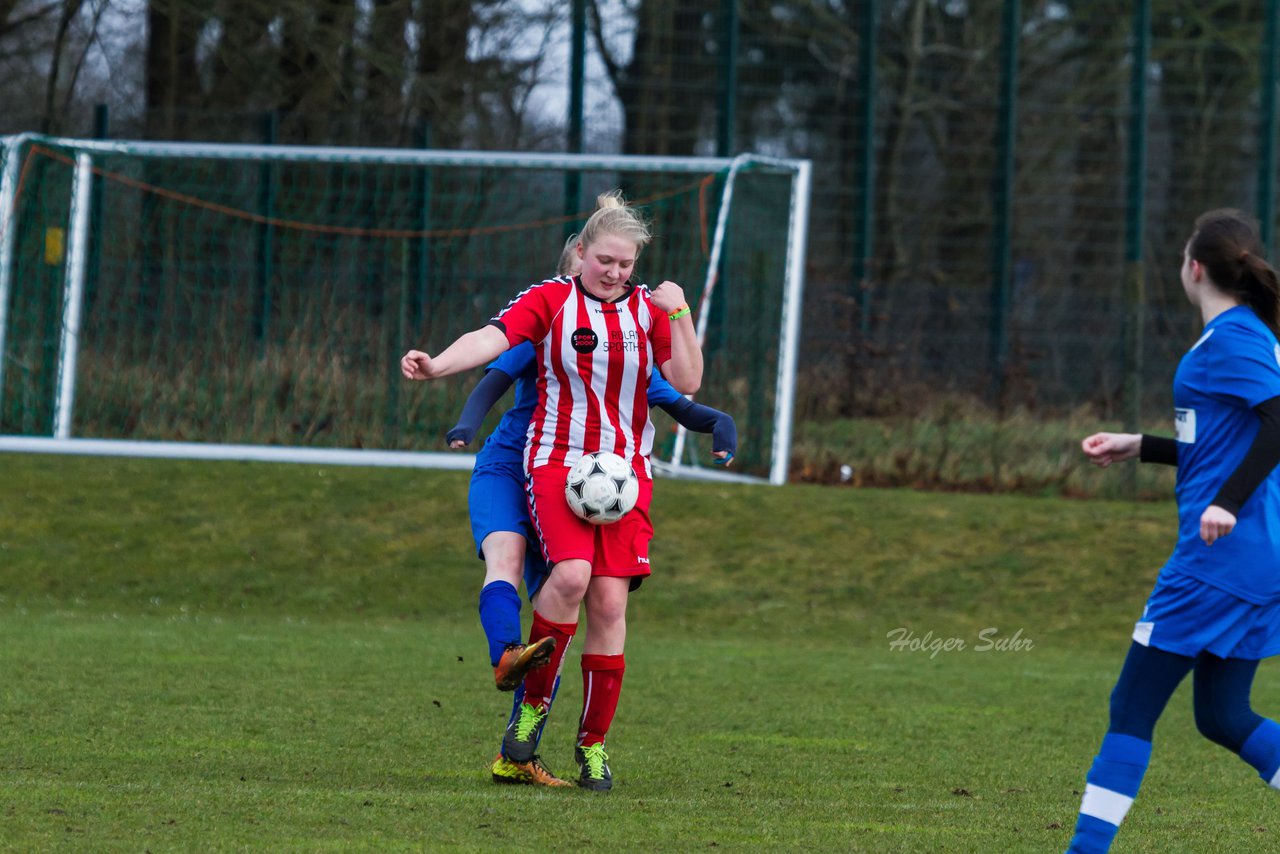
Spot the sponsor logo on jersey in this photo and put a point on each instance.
(625, 341)
(1184, 425)
(584, 339)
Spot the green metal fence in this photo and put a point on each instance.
(1001, 189)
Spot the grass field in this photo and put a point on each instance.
(230, 656)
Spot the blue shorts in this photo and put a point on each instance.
(497, 502)
(1186, 616)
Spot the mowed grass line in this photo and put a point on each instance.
(143, 732)
(249, 657)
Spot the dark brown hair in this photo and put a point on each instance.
(1226, 242)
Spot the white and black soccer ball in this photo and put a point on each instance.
(601, 488)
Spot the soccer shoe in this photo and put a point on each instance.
(521, 740)
(519, 659)
(540, 775)
(506, 771)
(593, 768)
(531, 773)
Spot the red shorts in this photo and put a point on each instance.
(620, 549)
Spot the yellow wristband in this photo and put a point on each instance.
(679, 312)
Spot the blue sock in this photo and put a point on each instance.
(1110, 788)
(500, 617)
(1262, 751)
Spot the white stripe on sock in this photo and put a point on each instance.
(1105, 804)
(586, 704)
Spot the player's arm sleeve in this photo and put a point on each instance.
(1259, 461)
(704, 419)
(660, 391)
(1244, 366)
(482, 398)
(1158, 449)
(660, 336)
(527, 317)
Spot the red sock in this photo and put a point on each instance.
(601, 685)
(539, 684)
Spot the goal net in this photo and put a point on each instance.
(253, 301)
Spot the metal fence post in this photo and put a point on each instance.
(1135, 271)
(577, 85)
(266, 231)
(1267, 126)
(728, 81)
(1002, 197)
(865, 187)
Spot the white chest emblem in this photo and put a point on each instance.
(1184, 425)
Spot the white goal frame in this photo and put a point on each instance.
(78, 226)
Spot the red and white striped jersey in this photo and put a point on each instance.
(594, 359)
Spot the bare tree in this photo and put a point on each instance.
(669, 81)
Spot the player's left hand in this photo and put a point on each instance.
(723, 458)
(668, 296)
(1215, 523)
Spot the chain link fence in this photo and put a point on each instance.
(1002, 190)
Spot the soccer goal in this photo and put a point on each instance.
(252, 302)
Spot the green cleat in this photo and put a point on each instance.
(504, 770)
(521, 740)
(593, 764)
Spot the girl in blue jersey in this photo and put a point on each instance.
(500, 522)
(1215, 609)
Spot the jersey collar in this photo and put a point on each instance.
(622, 297)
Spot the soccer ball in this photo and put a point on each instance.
(601, 488)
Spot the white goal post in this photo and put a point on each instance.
(158, 246)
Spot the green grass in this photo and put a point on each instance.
(248, 657)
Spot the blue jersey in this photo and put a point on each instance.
(1232, 368)
(506, 443)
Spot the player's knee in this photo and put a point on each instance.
(569, 579)
(606, 610)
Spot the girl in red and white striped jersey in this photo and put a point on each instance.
(597, 336)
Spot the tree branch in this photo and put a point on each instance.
(611, 67)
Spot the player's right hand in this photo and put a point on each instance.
(667, 296)
(1103, 449)
(415, 365)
